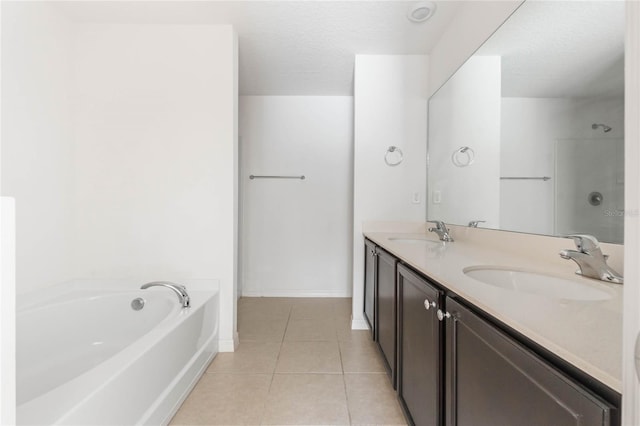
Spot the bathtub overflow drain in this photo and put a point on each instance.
(137, 304)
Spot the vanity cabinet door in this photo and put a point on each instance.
(420, 334)
(370, 257)
(385, 310)
(493, 380)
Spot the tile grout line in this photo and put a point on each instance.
(264, 405)
(346, 396)
(273, 373)
(344, 382)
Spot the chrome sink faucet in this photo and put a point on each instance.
(178, 289)
(474, 223)
(441, 230)
(590, 260)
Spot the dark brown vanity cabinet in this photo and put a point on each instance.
(454, 365)
(491, 379)
(385, 310)
(420, 334)
(370, 266)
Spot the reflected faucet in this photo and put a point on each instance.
(441, 230)
(606, 128)
(590, 260)
(178, 289)
(474, 223)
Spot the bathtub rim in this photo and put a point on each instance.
(74, 288)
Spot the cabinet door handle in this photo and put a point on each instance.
(442, 315)
(428, 305)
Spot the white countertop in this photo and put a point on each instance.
(586, 334)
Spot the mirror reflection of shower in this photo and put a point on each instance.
(606, 128)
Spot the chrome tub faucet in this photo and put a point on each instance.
(590, 260)
(441, 230)
(178, 289)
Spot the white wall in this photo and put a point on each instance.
(529, 130)
(390, 109)
(119, 144)
(296, 234)
(37, 144)
(156, 155)
(474, 22)
(467, 113)
(36, 168)
(7, 311)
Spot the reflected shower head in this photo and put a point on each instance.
(604, 127)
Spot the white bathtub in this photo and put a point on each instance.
(86, 357)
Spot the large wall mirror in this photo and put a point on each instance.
(528, 134)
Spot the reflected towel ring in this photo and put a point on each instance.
(393, 156)
(463, 156)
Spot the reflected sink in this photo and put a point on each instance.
(535, 283)
(415, 240)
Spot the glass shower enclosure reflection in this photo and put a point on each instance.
(589, 188)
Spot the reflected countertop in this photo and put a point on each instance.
(586, 334)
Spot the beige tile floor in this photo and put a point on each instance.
(298, 363)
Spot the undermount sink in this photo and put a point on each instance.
(536, 283)
(415, 240)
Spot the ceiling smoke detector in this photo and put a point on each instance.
(421, 11)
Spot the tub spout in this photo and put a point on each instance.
(178, 289)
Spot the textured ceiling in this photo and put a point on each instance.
(561, 49)
(290, 47)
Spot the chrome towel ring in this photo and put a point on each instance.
(463, 156)
(393, 156)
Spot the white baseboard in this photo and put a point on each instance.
(295, 293)
(359, 324)
(228, 345)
